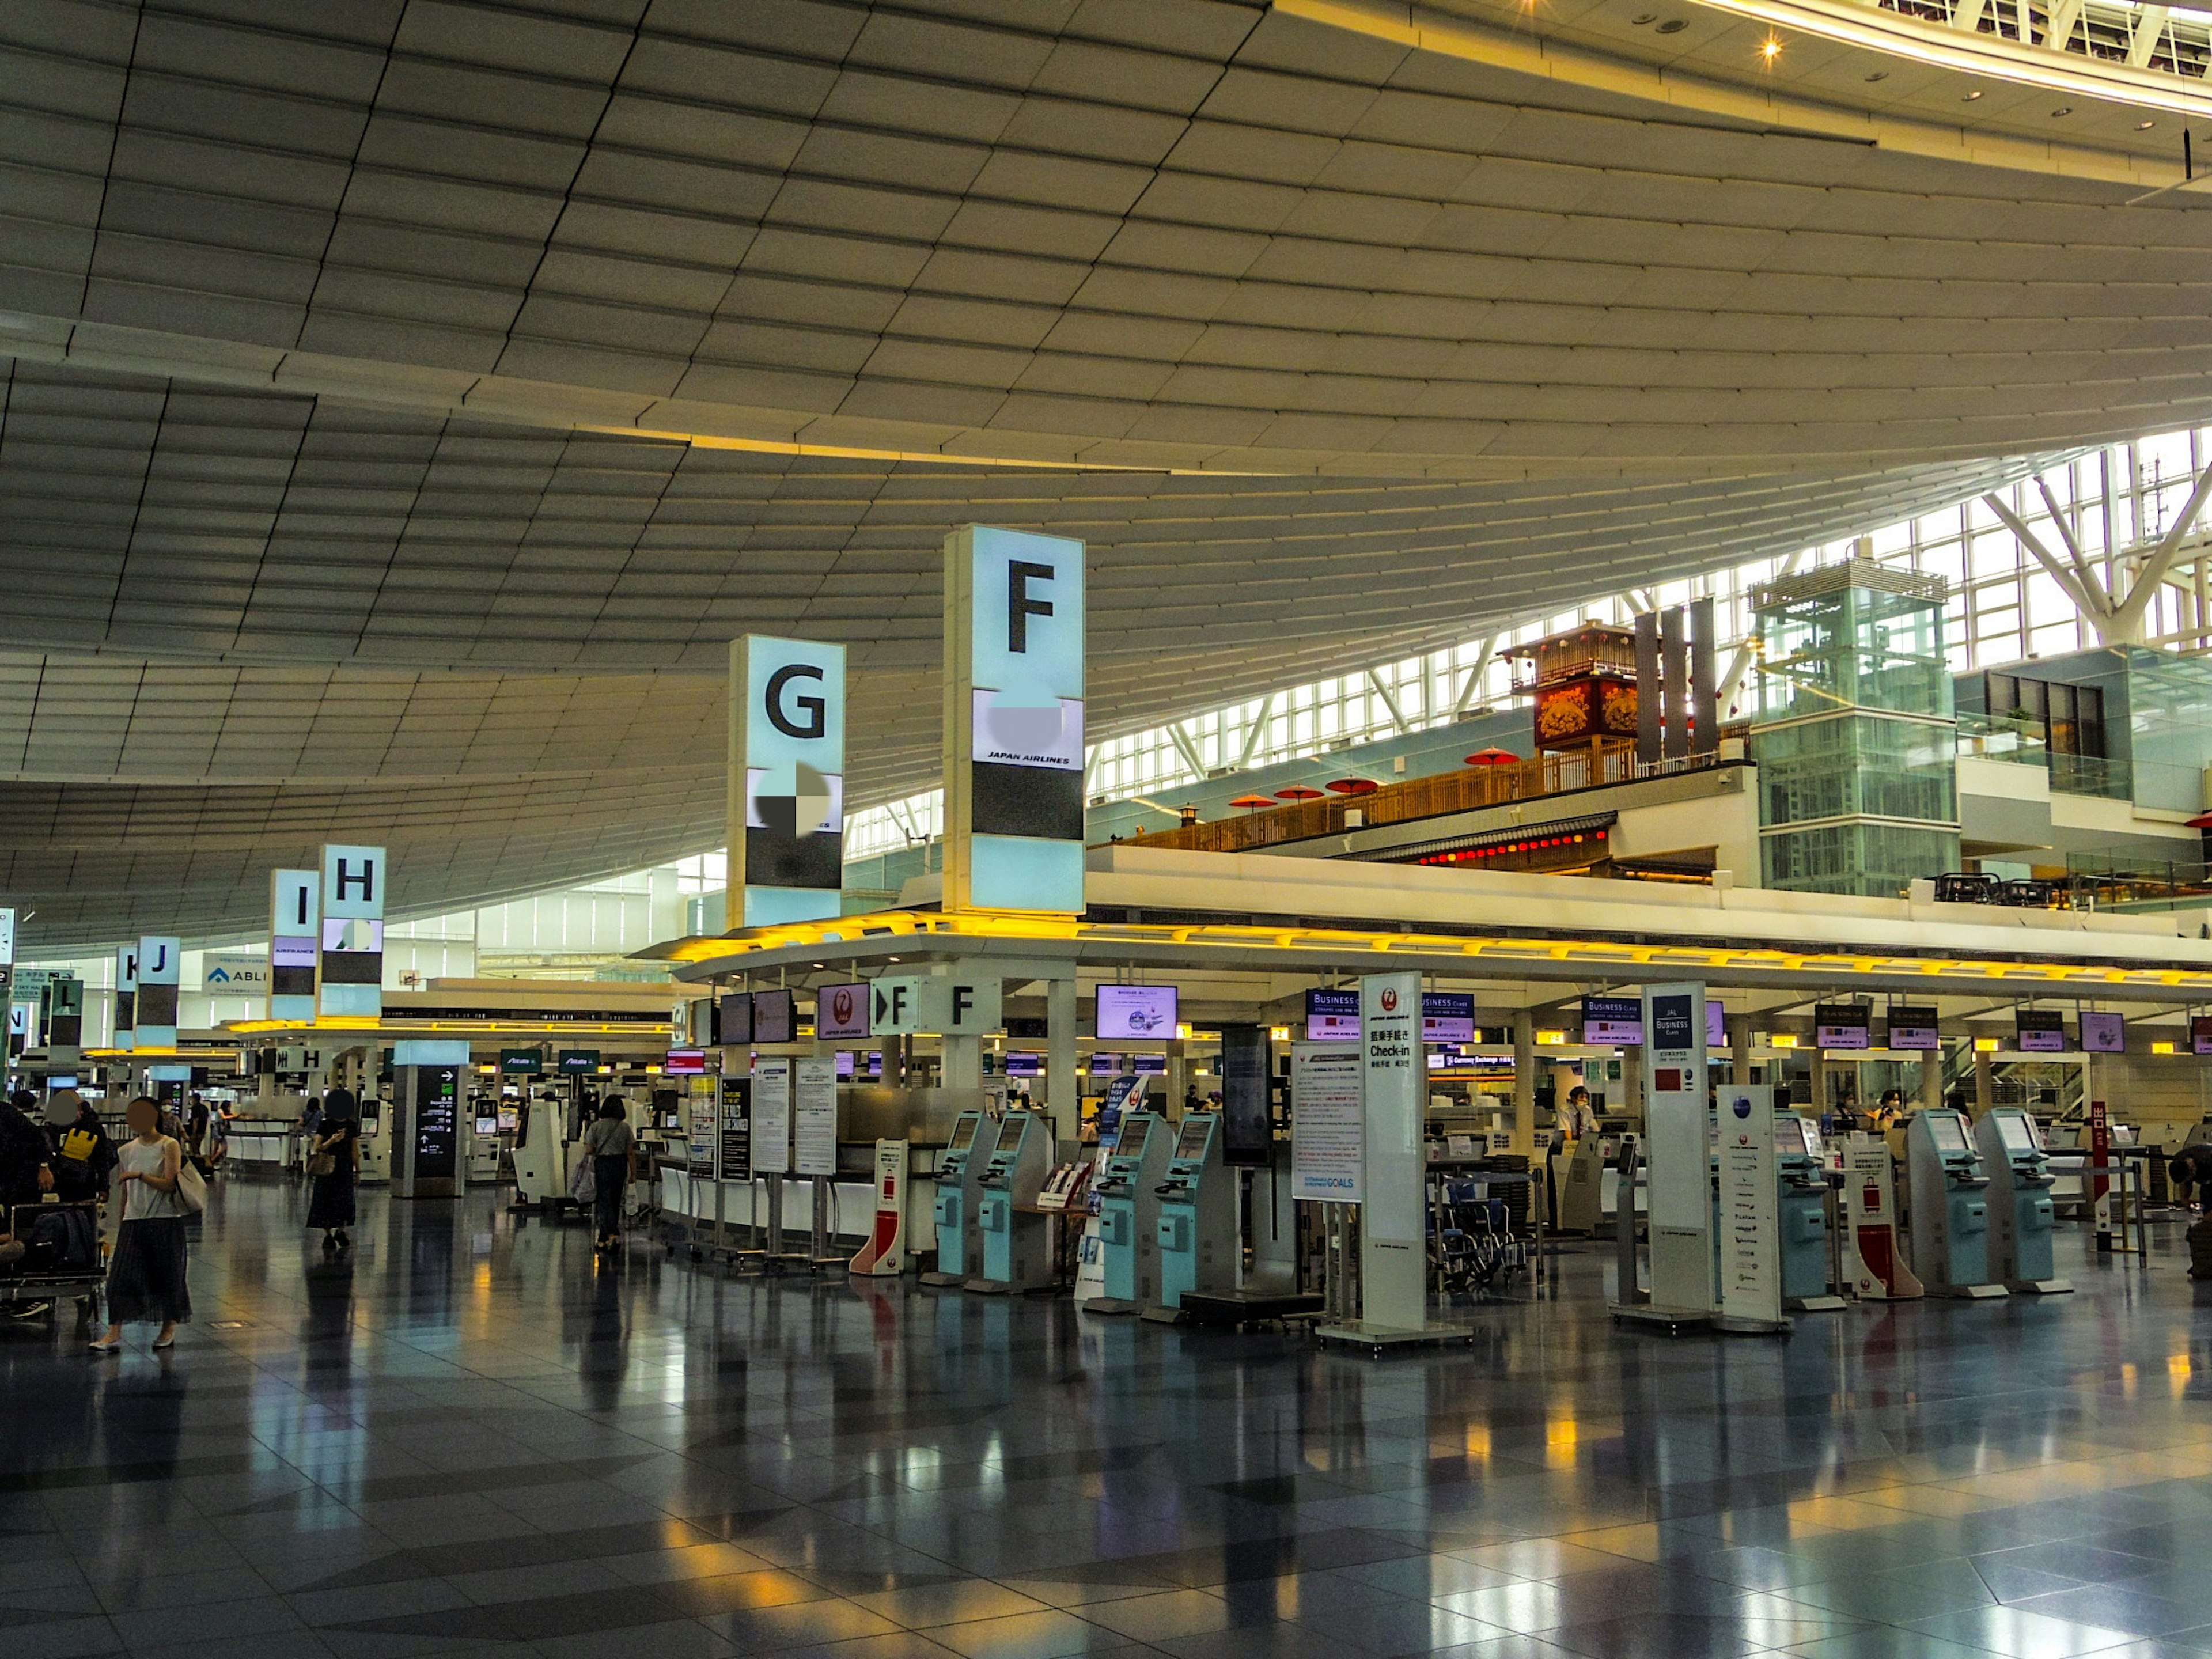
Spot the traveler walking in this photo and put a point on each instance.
(334, 1167)
(608, 1143)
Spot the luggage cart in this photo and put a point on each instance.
(29, 1282)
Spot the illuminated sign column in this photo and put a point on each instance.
(295, 920)
(160, 972)
(1013, 721)
(787, 781)
(126, 997)
(354, 880)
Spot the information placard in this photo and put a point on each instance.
(1617, 1020)
(771, 1117)
(1325, 1123)
(814, 1115)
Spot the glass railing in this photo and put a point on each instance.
(1986, 737)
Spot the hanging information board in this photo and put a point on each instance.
(1326, 1129)
(814, 1115)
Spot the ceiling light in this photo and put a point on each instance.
(2063, 109)
(1769, 49)
(1879, 75)
(2145, 126)
(1970, 97)
(1672, 26)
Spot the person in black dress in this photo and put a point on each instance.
(330, 1203)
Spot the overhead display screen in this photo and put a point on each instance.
(1446, 1016)
(1716, 1025)
(1136, 1011)
(1105, 1065)
(579, 1060)
(1842, 1025)
(685, 1062)
(1333, 1015)
(841, 1012)
(2200, 1033)
(1613, 1019)
(2039, 1031)
(524, 1062)
(1914, 1027)
(775, 1016)
(1023, 1064)
(2104, 1034)
(733, 1017)
(1150, 1065)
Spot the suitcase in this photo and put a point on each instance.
(2200, 1248)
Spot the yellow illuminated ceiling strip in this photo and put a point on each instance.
(1344, 944)
(853, 452)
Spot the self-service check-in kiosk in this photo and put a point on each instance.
(1197, 1226)
(1801, 1175)
(1016, 1236)
(483, 1140)
(375, 1142)
(541, 1154)
(1129, 1215)
(426, 1131)
(2020, 1211)
(1950, 1206)
(959, 1169)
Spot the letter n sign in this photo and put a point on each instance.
(1013, 721)
(354, 880)
(786, 781)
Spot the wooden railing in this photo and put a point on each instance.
(1608, 760)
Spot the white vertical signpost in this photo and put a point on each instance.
(1013, 724)
(814, 1138)
(1751, 1229)
(354, 879)
(161, 977)
(1682, 1203)
(296, 926)
(772, 1140)
(1394, 1267)
(786, 801)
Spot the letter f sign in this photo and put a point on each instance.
(1020, 607)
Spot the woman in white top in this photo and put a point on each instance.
(146, 1275)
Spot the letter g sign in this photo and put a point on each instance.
(812, 719)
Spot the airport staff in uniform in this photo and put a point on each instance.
(1576, 1119)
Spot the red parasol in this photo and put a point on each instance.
(1297, 792)
(1353, 786)
(1493, 757)
(1253, 801)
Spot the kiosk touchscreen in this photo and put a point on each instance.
(1950, 1207)
(2020, 1210)
(1802, 1179)
(1017, 1235)
(1129, 1215)
(1197, 1226)
(959, 1246)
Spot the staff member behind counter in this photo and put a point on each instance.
(1577, 1118)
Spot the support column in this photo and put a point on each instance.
(1064, 1090)
(963, 1062)
(1985, 1083)
(1522, 1138)
(1931, 1075)
(1631, 1086)
(1739, 1030)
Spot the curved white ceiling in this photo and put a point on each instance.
(336, 331)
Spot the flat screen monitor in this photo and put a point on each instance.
(1136, 1011)
(685, 1062)
(1716, 1025)
(841, 1012)
(963, 1130)
(1150, 1065)
(2104, 1034)
(1025, 1065)
(1943, 1126)
(1914, 1027)
(372, 1115)
(1191, 1143)
(734, 1018)
(487, 1124)
(1793, 1134)
(845, 1064)
(1446, 1016)
(1135, 1127)
(775, 1016)
(2200, 1033)
(1842, 1025)
(2017, 1131)
(575, 1060)
(2039, 1031)
(1332, 1015)
(1010, 1132)
(1247, 1130)
(1616, 1020)
(508, 1118)
(1105, 1065)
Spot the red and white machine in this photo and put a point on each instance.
(884, 1253)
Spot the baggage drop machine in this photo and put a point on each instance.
(959, 1171)
(1950, 1206)
(2020, 1210)
(1129, 1215)
(1197, 1227)
(1016, 1236)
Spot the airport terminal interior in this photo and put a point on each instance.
(1003, 828)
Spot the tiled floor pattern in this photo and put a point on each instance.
(468, 1441)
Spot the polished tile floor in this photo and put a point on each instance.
(467, 1440)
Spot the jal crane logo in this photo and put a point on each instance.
(1389, 999)
(840, 1005)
